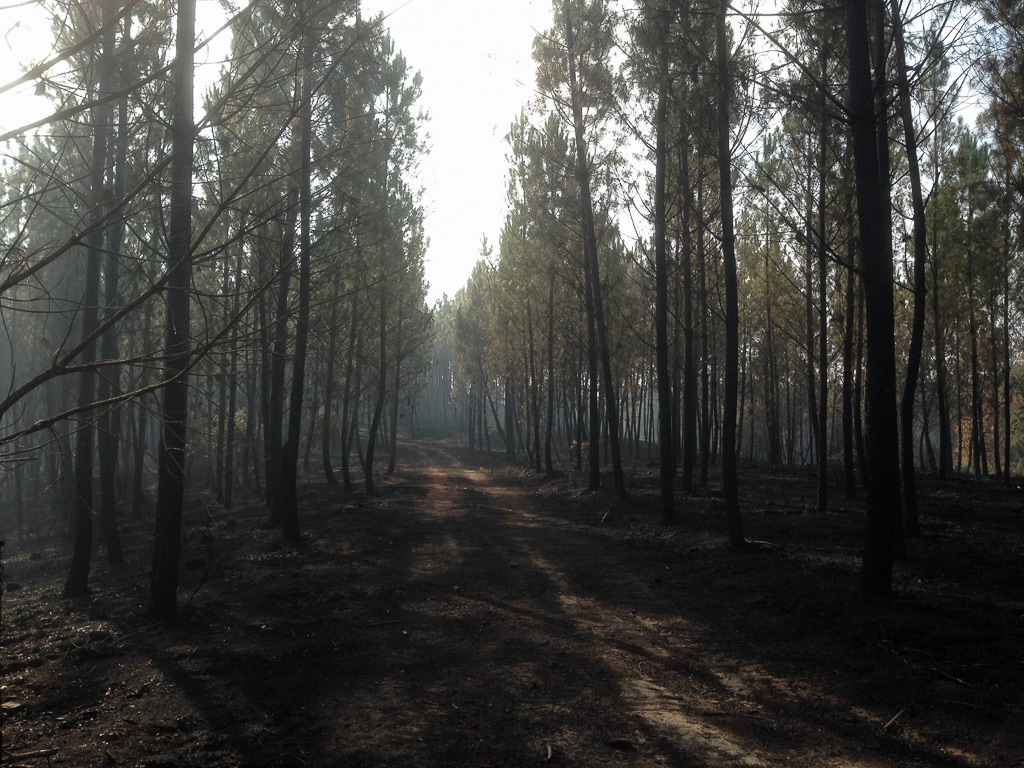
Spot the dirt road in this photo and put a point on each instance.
(480, 616)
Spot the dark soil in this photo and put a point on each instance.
(475, 616)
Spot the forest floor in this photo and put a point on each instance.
(471, 614)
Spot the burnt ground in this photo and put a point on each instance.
(472, 614)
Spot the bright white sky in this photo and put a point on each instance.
(477, 65)
(475, 57)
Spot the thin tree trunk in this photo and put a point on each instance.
(395, 401)
(534, 415)
(274, 417)
(705, 353)
(939, 332)
(773, 419)
(849, 326)
(510, 447)
(809, 326)
(822, 305)
(911, 521)
(1007, 393)
(289, 515)
(996, 411)
(350, 395)
(140, 442)
(689, 414)
(550, 416)
(109, 438)
(592, 261)
(382, 389)
(77, 582)
(232, 376)
(171, 487)
(666, 441)
(978, 451)
(593, 403)
(325, 424)
(730, 482)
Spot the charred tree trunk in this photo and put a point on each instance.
(730, 483)
(666, 439)
(911, 521)
(77, 582)
(590, 255)
(382, 390)
(289, 515)
(325, 424)
(881, 438)
(110, 420)
(171, 488)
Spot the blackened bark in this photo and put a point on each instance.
(325, 424)
(382, 389)
(550, 413)
(289, 514)
(730, 482)
(109, 437)
(911, 521)
(590, 256)
(666, 440)
(689, 414)
(274, 401)
(350, 395)
(171, 482)
(849, 324)
(881, 434)
(77, 582)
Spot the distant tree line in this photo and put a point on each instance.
(207, 296)
(790, 238)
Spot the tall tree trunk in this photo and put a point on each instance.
(666, 440)
(77, 582)
(290, 453)
(978, 451)
(273, 420)
(534, 415)
(593, 401)
(730, 483)
(849, 326)
(822, 448)
(311, 421)
(881, 439)
(350, 395)
(171, 483)
(510, 447)
(382, 390)
(1007, 369)
(809, 324)
(939, 343)
(996, 411)
(139, 442)
(229, 439)
(911, 521)
(109, 438)
(550, 415)
(773, 408)
(705, 349)
(592, 262)
(325, 424)
(689, 414)
(396, 396)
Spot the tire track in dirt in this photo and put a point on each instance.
(533, 567)
(617, 667)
